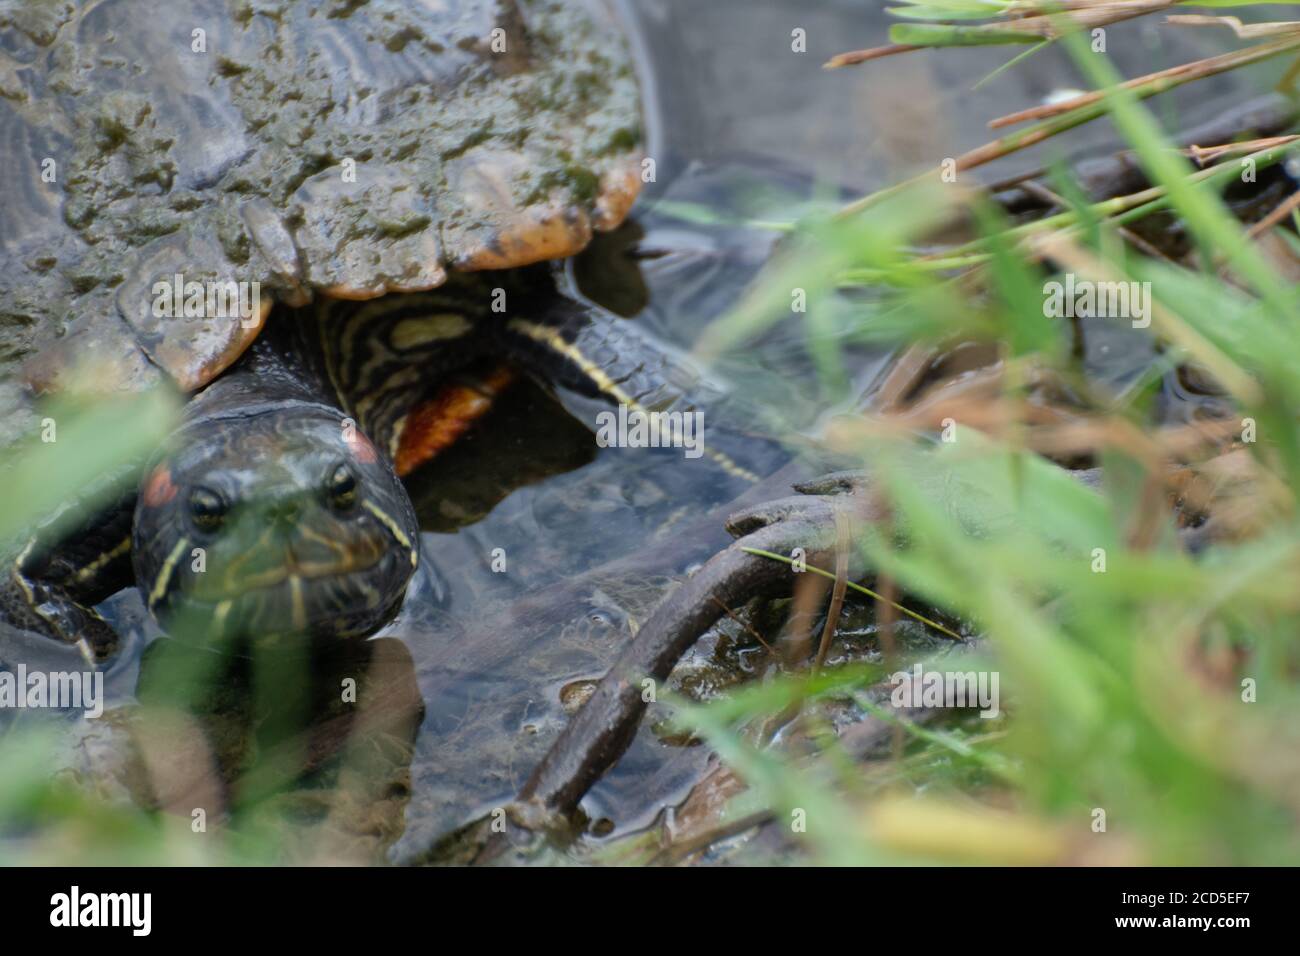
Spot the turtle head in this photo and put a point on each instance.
(271, 521)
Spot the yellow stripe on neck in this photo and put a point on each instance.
(600, 378)
(165, 575)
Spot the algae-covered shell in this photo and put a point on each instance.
(339, 147)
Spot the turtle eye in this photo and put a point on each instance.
(342, 488)
(207, 509)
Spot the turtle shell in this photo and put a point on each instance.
(340, 147)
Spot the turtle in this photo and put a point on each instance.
(304, 215)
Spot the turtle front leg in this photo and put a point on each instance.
(598, 355)
(46, 597)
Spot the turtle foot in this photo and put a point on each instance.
(29, 604)
(822, 518)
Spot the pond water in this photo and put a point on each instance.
(738, 123)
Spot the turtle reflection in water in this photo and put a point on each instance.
(391, 174)
(265, 746)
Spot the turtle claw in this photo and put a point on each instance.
(827, 512)
(794, 509)
(87, 653)
(851, 481)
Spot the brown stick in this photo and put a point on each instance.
(1277, 215)
(1183, 73)
(862, 56)
(842, 545)
(600, 732)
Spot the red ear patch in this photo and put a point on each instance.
(362, 449)
(159, 490)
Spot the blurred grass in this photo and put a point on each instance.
(78, 792)
(96, 442)
(92, 441)
(1124, 688)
